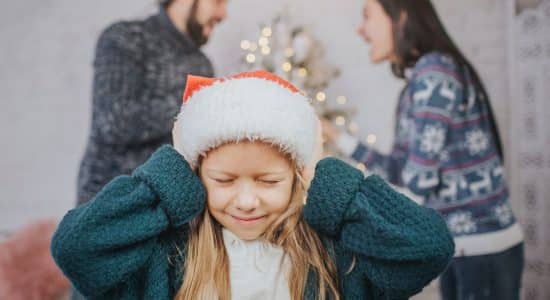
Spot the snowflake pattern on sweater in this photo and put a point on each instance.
(444, 150)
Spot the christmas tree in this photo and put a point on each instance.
(292, 52)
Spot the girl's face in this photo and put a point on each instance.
(249, 185)
(377, 30)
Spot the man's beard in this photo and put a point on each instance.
(194, 28)
(195, 32)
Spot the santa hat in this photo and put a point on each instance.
(252, 106)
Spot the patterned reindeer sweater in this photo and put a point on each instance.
(445, 152)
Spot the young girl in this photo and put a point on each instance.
(447, 150)
(222, 216)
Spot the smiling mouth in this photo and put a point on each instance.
(247, 220)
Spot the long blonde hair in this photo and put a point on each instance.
(206, 268)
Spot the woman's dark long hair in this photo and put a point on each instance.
(417, 30)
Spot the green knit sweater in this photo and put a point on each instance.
(124, 244)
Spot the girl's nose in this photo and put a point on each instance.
(246, 199)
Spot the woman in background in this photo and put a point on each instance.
(447, 148)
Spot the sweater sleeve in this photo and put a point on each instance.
(106, 241)
(399, 246)
(435, 92)
(124, 112)
(389, 166)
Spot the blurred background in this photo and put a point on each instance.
(47, 47)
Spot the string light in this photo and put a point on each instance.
(321, 97)
(287, 67)
(371, 139)
(266, 31)
(341, 100)
(302, 72)
(340, 120)
(245, 44)
(353, 127)
(263, 41)
(251, 58)
(266, 50)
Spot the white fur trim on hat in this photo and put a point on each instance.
(251, 109)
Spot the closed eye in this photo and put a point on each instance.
(270, 181)
(223, 180)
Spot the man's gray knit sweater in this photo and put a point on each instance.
(140, 69)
